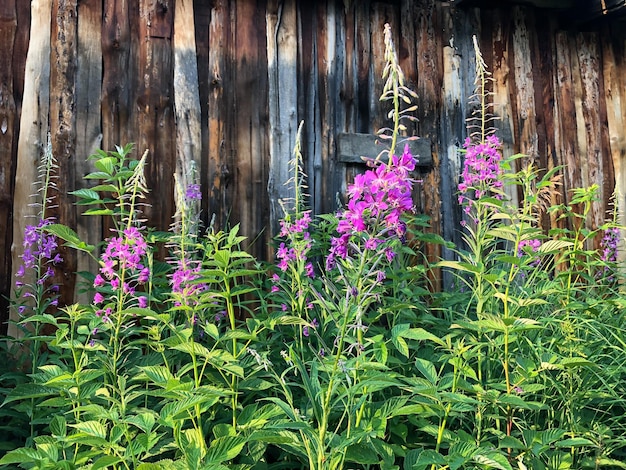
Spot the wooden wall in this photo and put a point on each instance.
(223, 85)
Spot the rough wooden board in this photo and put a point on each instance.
(33, 132)
(8, 140)
(88, 124)
(63, 64)
(282, 54)
(186, 97)
(614, 75)
(218, 175)
(356, 148)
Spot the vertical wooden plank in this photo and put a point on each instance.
(428, 87)
(599, 165)
(153, 113)
(501, 65)
(328, 185)
(63, 60)
(363, 56)
(565, 115)
(614, 75)
(186, 95)
(218, 173)
(524, 102)
(88, 122)
(33, 130)
(117, 69)
(8, 139)
(250, 102)
(308, 96)
(458, 85)
(282, 53)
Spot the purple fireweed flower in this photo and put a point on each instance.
(193, 192)
(184, 280)
(530, 245)
(481, 170)
(377, 201)
(609, 245)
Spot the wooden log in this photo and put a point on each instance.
(32, 134)
(63, 61)
(282, 54)
(88, 124)
(186, 96)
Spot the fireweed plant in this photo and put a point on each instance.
(337, 355)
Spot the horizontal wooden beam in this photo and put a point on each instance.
(356, 148)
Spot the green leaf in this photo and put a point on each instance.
(23, 455)
(361, 454)
(224, 448)
(91, 428)
(106, 165)
(493, 460)
(98, 212)
(428, 370)
(575, 442)
(69, 236)
(86, 193)
(554, 246)
(105, 462)
(420, 334)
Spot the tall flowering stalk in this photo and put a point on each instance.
(34, 292)
(369, 232)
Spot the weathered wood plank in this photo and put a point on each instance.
(327, 185)
(458, 85)
(355, 147)
(219, 140)
(8, 139)
(63, 61)
(186, 96)
(153, 114)
(88, 122)
(250, 102)
(614, 75)
(33, 132)
(428, 85)
(524, 103)
(282, 55)
(599, 165)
